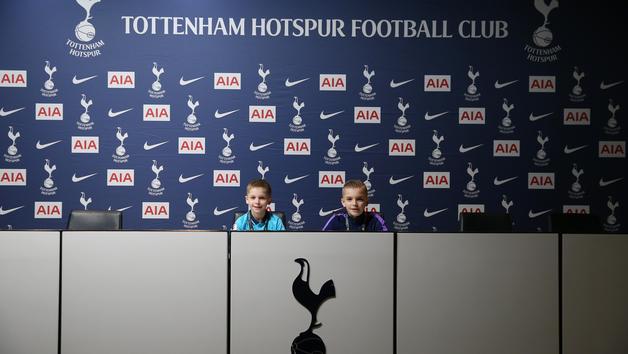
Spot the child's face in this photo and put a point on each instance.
(354, 200)
(257, 199)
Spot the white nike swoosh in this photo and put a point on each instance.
(327, 116)
(40, 146)
(4, 113)
(499, 85)
(394, 84)
(430, 117)
(463, 149)
(604, 183)
(395, 181)
(123, 209)
(148, 146)
(220, 212)
(113, 114)
(222, 115)
(76, 81)
(429, 214)
(187, 179)
(292, 83)
(187, 82)
(535, 118)
(605, 86)
(288, 180)
(532, 215)
(78, 179)
(255, 148)
(325, 213)
(498, 182)
(568, 150)
(362, 148)
(5, 212)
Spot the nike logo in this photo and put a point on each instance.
(499, 85)
(288, 180)
(463, 149)
(429, 214)
(255, 148)
(76, 81)
(4, 113)
(222, 115)
(113, 114)
(327, 116)
(148, 146)
(362, 148)
(569, 150)
(395, 181)
(604, 86)
(535, 118)
(394, 84)
(187, 179)
(220, 212)
(187, 82)
(430, 117)
(78, 179)
(499, 182)
(5, 212)
(604, 183)
(40, 146)
(292, 83)
(532, 215)
(325, 213)
(122, 209)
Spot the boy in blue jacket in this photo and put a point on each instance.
(258, 196)
(354, 217)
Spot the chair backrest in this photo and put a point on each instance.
(280, 214)
(575, 223)
(95, 220)
(485, 222)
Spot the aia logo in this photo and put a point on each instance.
(121, 79)
(48, 210)
(226, 178)
(367, 115)
(470, 208)
(542, 84)
(331, 179)
(373, 208)
(437, 83)
(293, 146)
(155, 210)
(48, 111)
(120, 178)
(332, 82)
(156, 112)
(612, 149)
(191, 145)
(227, 81)
(471, 115)
(576, 209)
(13, 78)
(577, 116)
(506, 148)
(262, 114)
(401, 147)
(12, 177)
(433, 180)
(85, 145)
(541, 180)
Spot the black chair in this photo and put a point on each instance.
(95, 220)
(575, 223)
(280, 214)
(484, 222)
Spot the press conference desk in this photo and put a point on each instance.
(178, 292)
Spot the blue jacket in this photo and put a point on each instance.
(271, 223)
(367, 221)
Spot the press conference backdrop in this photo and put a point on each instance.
(165, 110)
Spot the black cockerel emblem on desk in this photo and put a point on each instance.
(308, 342)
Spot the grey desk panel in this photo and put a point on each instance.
(266, 317)
(29, 292)
(144, 292)
(595, 294)
(477, 294)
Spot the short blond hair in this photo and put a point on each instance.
(357, 184)
(259, 183)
